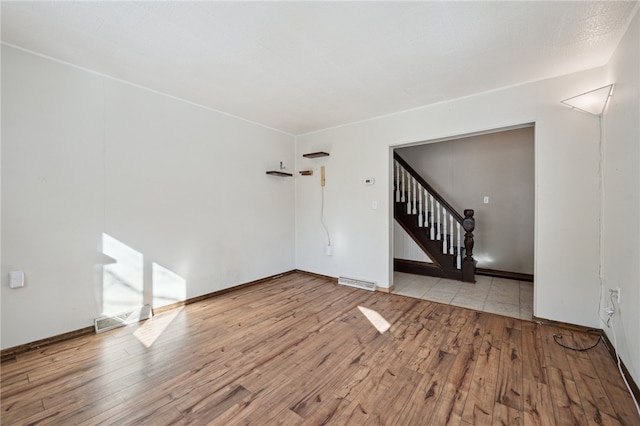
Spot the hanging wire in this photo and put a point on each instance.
(600, 243)
(558, 336)
(322, 216)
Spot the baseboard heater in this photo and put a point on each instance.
(353, 282)
(103, 324)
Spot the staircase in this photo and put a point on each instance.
(436, 227)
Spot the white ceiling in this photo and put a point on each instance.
(305, 66)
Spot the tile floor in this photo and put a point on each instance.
(496, 295)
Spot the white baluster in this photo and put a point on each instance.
(408, 193)
(397, 181)
(426, 208)
(451, 236)
(433, 217)
(403, 186)
(459, 258)
(444, 238)
(414, 197)
(439, 233)
(420, 212)
(425, 211)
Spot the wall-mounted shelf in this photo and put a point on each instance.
(316, 154)
(278, 173)
(306, 172)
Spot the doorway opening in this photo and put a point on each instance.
(492, 173)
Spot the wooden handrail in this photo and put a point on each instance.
(428, 187)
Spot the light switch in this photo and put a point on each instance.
(374, 205)
(486, 199)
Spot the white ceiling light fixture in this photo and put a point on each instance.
(592, 102)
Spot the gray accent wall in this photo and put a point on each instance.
(496, 165)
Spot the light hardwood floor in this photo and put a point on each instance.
(300, 350)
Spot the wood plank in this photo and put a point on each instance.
(509, 390)
(450, 406)
(389, 411)
(479, 405)
(506, 416)
(533, 366)
(426, 395)
(270, 404)
(593, 396)
(567, 406)
(212, 405)
(322, 397)
(537, 403)
(12, 413)
(351, 413)
(374, 391)
(325, 411)
(611, 380)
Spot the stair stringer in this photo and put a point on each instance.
(444, 264)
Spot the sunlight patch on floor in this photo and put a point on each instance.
(375, 319)
(151, 329)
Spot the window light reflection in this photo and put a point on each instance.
(375, 319)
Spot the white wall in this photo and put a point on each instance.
(405, 248)
(84, 155)
(621, 204)
(567, 196)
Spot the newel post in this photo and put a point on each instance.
(468, 264)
